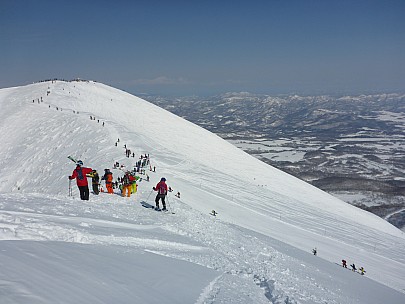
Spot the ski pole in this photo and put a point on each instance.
(70, 187)
(149, 196)
(168, 205)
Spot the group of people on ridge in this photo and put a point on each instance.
(80, 173)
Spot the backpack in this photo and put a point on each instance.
(126, 180)
(79, 174)
(162, 189)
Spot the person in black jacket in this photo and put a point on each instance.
(95, 181)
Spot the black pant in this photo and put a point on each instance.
(162, 197)
(84, 192)
(95, 189)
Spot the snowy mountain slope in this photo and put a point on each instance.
(210, 174)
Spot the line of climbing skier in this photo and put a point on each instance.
(361, 270)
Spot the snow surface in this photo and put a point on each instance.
(59, 249)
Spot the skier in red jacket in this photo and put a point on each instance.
(161, 189)
(81, 179)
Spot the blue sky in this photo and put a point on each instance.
(207, 47)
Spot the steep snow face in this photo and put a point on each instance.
(38, 135)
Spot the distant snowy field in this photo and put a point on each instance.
(292, 154)
(59, 249)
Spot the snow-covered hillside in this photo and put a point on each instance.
(56, 248)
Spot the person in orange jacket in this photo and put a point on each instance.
(81, 180)
(127, 182)
(108, 177)
(161, 189)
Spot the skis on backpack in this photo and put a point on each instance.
(72, 159)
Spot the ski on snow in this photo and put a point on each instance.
(149, 206)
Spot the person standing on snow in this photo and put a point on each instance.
(81, 180)
(134, 186)
(95, 181)
(127, 181)
(161, 189)
(108, 177)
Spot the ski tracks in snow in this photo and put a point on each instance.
(186, 235)
(239, 260)
(242, 257)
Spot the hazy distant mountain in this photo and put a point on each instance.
(350, 146)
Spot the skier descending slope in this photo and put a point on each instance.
(161, 188)
(81, 179)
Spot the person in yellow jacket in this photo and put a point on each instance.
(134, 187)
(134, 184)
(95, 181)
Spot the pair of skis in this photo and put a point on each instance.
(72, 159)
(149, 206)
(70, 181)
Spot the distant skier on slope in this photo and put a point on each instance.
(161, 188)
(81, 179)
(344, 263)
(314, 251)
(362, 270)
(353, 267)
(108, 177)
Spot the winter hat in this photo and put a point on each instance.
(162, 179)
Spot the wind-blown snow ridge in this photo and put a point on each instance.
(260, 242)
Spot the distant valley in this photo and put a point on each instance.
(350, 146)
